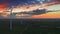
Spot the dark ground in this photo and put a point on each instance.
(32, 26)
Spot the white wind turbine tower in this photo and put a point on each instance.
(11, 16)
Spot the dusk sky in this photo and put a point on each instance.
(8, 3)
(23, 2)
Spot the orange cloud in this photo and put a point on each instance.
(3, 6)
(47, 15)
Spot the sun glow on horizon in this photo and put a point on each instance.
(29, 8)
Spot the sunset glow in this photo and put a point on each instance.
(48, 15)
(29, 8)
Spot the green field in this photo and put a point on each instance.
(30, 26)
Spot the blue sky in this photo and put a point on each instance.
(22, 2)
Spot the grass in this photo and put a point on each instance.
(30, 27)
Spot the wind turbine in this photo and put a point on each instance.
(11, 14)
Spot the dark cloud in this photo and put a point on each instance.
(56, 0)
(22, 2)
(3, 1)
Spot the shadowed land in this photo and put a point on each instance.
(30, 26)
